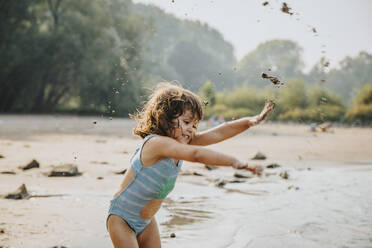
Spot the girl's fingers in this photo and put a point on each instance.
(257, 170)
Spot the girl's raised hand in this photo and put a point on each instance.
(269, 106)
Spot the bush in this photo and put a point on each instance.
(362, 108)
(244, 98)
(317, 96)
(293, 95)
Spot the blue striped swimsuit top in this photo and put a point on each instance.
(151, 184)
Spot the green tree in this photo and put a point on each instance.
(293, 95)
(58, 51)
(208, 93)
(361, 110)
(187, 51)
(351, 74)
(318, 96)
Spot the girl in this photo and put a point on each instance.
(168, 124)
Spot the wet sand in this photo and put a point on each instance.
(326, 201)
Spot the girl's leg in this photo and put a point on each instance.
(121, 234)
(150, 237)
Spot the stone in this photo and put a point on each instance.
(8, 172)
(284, 175)
(273, 166)
(240, 175)
(221, 183)
(210, 167)
(33, 164)
(121, 172)
(66, 170)
(293, 187)
(19, 194)
(259, 156)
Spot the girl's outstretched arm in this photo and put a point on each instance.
(161, 147)
(231, 128)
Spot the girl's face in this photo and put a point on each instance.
(185, 127)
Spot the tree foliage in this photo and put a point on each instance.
(361, 111)
(208, 93)
(63, 49)
(187, 51)
(352, 74)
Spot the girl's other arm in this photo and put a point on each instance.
(165, 147)
(231, 128)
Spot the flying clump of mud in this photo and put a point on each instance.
(273, 79)
(286, 9)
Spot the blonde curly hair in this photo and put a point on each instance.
(167, 102)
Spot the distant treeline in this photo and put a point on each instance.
(99, 56)
(294, 102)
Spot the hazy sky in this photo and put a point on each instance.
(343, 26)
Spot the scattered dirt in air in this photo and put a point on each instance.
(286, 9)
(314, 30)
(205, 103)
(322, 80)
(326, 64)
(274, 80)
(265, 3)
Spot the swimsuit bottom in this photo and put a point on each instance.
(134, 221)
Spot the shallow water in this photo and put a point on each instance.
(331, 208)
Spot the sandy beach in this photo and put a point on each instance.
(325, 202)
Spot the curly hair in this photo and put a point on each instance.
(166, 103)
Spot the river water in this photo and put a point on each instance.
(331, 207)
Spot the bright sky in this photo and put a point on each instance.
(343, 26)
